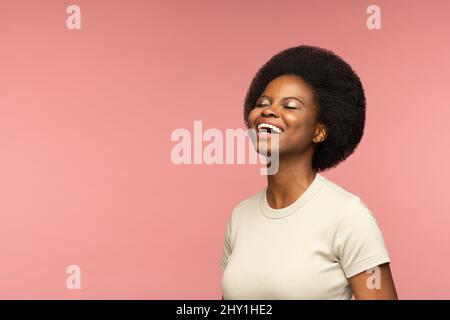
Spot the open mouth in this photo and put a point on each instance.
(268, 129)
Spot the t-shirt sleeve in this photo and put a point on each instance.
(226, 247)
(358, 243)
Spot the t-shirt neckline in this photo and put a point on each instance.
(293, 207)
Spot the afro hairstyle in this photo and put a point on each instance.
(338, 95)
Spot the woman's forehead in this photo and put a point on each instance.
(288, 85)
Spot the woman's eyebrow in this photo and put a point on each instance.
(296, 98)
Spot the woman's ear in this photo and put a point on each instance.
(321, 133)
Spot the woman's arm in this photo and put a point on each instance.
(374, 285)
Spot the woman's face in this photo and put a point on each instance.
(287, 103)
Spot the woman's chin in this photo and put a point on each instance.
(265, 148)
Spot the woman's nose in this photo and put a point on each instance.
(269, 112)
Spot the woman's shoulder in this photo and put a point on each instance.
(344, 204)
(337, 189)
(339, 195)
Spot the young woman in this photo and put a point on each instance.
(303, 236)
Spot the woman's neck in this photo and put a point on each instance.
(294, 176)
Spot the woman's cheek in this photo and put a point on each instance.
(252, 117)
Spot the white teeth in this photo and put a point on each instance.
(272, 127)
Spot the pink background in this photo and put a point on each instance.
(86, 117)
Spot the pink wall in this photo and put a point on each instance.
(86, 117)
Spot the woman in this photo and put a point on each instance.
(302, 236)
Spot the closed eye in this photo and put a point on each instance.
(286, 106)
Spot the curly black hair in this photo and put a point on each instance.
(338, 94)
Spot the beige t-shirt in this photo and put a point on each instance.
(306, 250)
